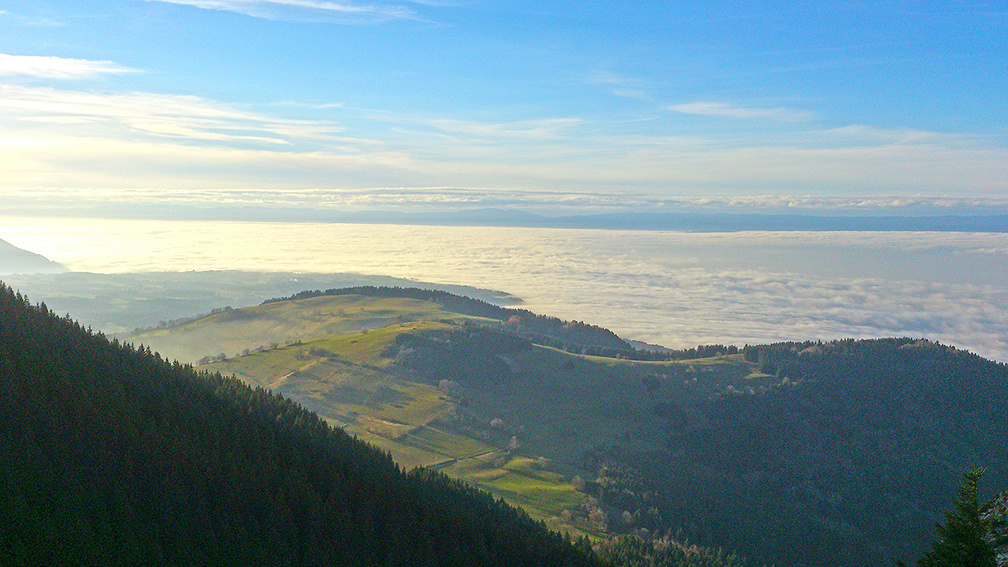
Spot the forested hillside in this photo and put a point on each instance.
(850, 448)
(855, 453)
(112, 455)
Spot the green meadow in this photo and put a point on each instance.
(519, 436)
(232, 331)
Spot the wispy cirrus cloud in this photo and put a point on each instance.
(729, 110)
(188, 118)
(306, 10)
(58, 67)
(62, 137)
(34, 22)
(619, 85)
(863, 133)
(544, 129)
(51, 137)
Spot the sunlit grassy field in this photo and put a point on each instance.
(232, 331)
(520, 438)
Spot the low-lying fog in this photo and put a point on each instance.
(671, 288)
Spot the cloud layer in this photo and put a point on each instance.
(728, 110)
(65, 137)
(69, 139)
(675, 289)
(58, 67)
(305, 10)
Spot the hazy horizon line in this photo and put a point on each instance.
(721, 220)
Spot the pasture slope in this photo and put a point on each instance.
(852, 445)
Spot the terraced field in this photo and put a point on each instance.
(514, 422)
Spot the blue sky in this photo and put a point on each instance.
(530, 105)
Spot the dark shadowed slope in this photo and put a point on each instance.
(14, 260)
(853, 452)
(112, 455)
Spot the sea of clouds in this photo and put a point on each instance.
(676, 289)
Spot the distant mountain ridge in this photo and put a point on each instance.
(14, 260)
(687, 221)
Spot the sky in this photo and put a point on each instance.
(538, 106)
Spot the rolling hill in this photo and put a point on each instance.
(112, 455)
(849, 446)
(451, 389)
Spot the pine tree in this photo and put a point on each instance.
(961, 541)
